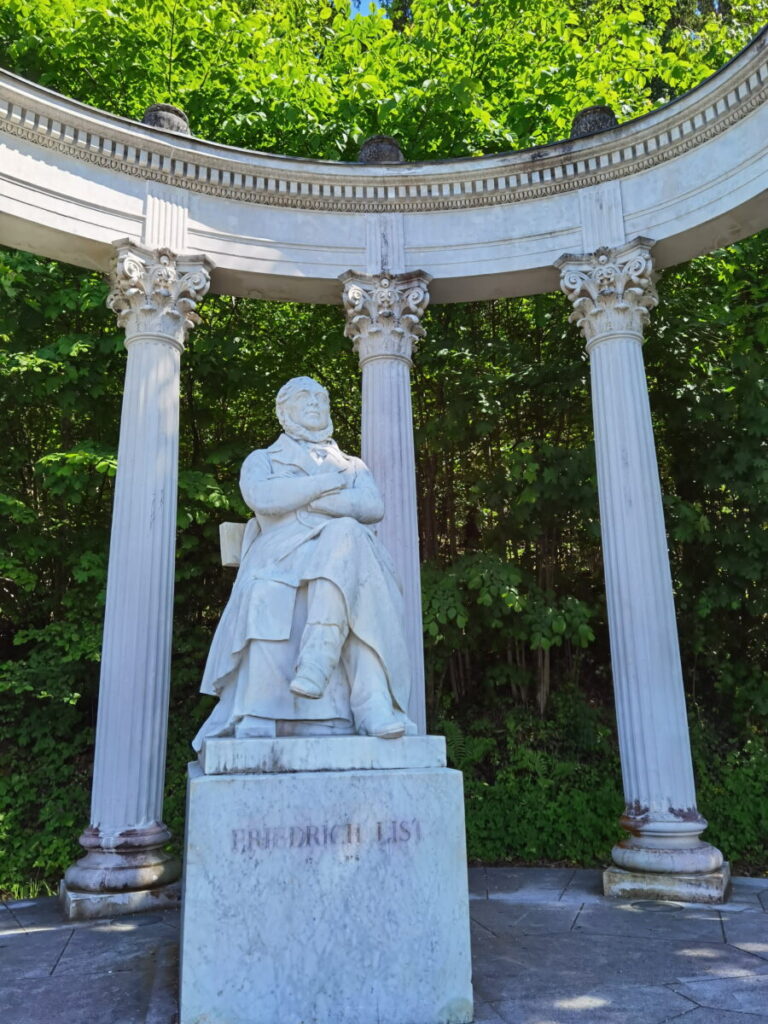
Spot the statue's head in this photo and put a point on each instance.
(303, 409)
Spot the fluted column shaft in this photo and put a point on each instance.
(154, 295)
(383, 319)
(612, 292)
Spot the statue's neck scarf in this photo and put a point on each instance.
(312, 437)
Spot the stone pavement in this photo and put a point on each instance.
(548, 949)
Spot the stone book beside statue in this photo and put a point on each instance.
(311, 642)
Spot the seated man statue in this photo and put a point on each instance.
(311, 641)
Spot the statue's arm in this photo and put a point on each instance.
(360, 499)
(272, 495)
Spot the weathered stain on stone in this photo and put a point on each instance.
(686, 814)
(591, 120)
(635, 814)
(167, 117)
(380, 149)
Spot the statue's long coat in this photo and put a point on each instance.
(254, 651)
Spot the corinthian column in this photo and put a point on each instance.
(154, 295)
(384, 322)
(612, 291)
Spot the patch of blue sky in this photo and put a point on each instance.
(363, 7)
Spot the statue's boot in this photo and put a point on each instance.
(373, 709)
(375, 716)
(319, 655)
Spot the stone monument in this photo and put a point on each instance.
(325, 868)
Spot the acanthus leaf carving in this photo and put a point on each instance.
(612, 290)
(384, 313)
(155, 292)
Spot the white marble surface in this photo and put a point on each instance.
(319, 753)
(613, 292)
(154, 295)
(87, 906)
(326, 898)
(313, 631)
(384, 314)
(704, 887)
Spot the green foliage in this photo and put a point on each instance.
(451, 78)
(44, 793)
(540, 790)
(515, 631)
(485, 605)
(550, 790)
(731, 777)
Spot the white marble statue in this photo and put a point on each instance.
(311, 641)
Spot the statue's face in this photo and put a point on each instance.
(309, 408)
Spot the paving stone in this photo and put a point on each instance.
(644, 918)
(8, 923)
(704, 1016)
(602, 1005)
(745, 995)
(614, 966)
(41, 913)
(118, 998)
(747, 882)
(586, 884)
(478, 883)
(576, 958)
(31, 954)
(485, 1014)
(748, 890)
(756, 948)
(164, 994)
(544, 881)
(505, 919)
(748, 931)
(117, 945)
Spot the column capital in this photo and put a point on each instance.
(384, 313)
(612, 290)
(155, 292)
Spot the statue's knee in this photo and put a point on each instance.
(345, 526)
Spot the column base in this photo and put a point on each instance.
(711, 887)
(125, 864)
(657, 848)
(88, 906)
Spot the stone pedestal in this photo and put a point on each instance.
(325, 896)
(706, 887)
(85, 906)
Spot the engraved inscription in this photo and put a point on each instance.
(398, 831)
(312, 837)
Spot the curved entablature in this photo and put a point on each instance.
(692, 175)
